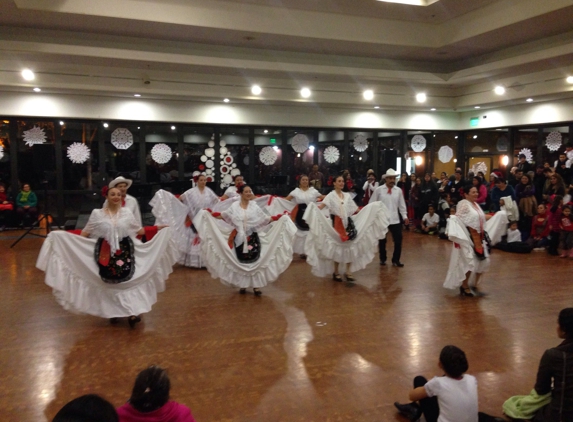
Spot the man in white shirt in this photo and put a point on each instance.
(129, 201)
(430, 221)
(393, 198)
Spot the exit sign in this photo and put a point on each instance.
(273, 140)
(474, 121)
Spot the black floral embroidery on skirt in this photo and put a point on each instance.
(351, 231)
(300, 223)
(121, 266)
(253, 249)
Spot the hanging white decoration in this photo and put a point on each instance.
(528, 154)
(34, 136)
(223, 150)
(161, 153)
(479, 166)
(445, 154)
(331, 154)
(360, 143)
(228, 159)
(222, 143)
(211, 144)
(418, 143)
(121, 138)
(227, 179)
(235, 172)
(502, 144)
(210, 152)
(78, 153)
(246, 160)
(268, 156)
(1, 152)
(553, 141)
(300, 143)
(203, 158)
(209, 164)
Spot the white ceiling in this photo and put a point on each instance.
(456, 51)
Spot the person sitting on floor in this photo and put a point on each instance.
(452, 397)
(444, 222)
(538, 238)
(149, 401)
(430, 221)
(512, 242)
(88, 408)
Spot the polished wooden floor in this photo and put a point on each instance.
(309, 349)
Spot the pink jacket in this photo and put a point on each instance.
(482, 197)
(170, 412)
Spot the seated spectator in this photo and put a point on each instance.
(501, 190)
(525, 193)
(556, 186)
(88, 408)
(512, 241)
(566, 232)
(6, 207)
(452, 397)
(443, 224)
(26, 206)
(538, 239)
(430, 221)
(149, 401)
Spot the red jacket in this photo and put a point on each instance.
(540, 228)
(170, 412)
(566, 224)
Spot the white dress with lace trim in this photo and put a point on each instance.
(324, 246)
(221, 260)
(73, 274)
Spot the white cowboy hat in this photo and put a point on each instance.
(119, 180)
(391, 173)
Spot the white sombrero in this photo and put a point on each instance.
(119, 180)
(391, 173)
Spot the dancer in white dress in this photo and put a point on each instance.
(344, 238)
(242, 246)
(470, 255)
(180, 213)
(129, 201)
(231, 191)
(302, 196)
(106, 271)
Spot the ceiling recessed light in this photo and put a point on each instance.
(256, 90)
(226, 100)
(28, 75)
(368, 94)
(432, 109)
(105, 125)
(569, 79)
(305, 93)
(475, 136)
(529, 100)
(138, 127)
(266, 131)
(172, 127)
(421, 97)
(137, 95)
(61, 123)
(376, 107)
(37, 90)
(499, 90)
(456, 137)
(477, 107)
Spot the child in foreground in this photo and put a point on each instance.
(452, 397)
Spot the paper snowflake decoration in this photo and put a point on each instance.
(553, 141)
(34, 136)
(268, 156)
(1, 152)
(78, 153)
(161, 153)
(528, 154)
(502, 144)
(418, 143)
(360, 143)
(300, 143)
(331, 154)
(121, 138)
(479, 166)
(226, 163)
(445, 154)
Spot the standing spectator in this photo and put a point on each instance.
(566, 232)
(316, 178)
(481, 200)
(27, 206)
(392, 197)
(405, 183)
(501, 189)
(456, 185)
(415, 200)
(428, 193)
(554, 222)
(523, 165)
(525, 194)
(563, 167)
(369, 186)
(555, 187)
(6, 207)
(539, 180)
(540, 229)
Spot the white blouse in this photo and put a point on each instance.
(471, 214)
(197, 200)
(343, 208)
(231, 192)
(112, 228)
(245, 221)
(304, 196)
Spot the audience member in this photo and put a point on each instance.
(477, 181)
(6, 207)
(563, 167)
(554, 222)
(566, 232)
(415, 200)
(554, 187)
(88, 408)
(149, 401)
(430, 221)
(26, 206)
(523, 165)
(316, 178)
(540, 229)
(456, 185)
(512, 241)
(539, 180)
(429, 194)
(369, 187)
(501, 189)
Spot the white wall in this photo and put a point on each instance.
(113, 108)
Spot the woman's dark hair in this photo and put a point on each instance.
(479, 179)
(566, 321)
(88, 408)
(454, 361)
(241, 188)
(556, 201)
(466, 189)
(336, 178)
(528, 178)
(151, 389)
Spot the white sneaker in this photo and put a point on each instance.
(538, 249)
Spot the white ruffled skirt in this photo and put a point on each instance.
(324, 246)
(221, 260)
(73, 274)
(170, 211)
(463, 258)
(496, 226)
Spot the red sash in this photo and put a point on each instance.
(339, 227)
